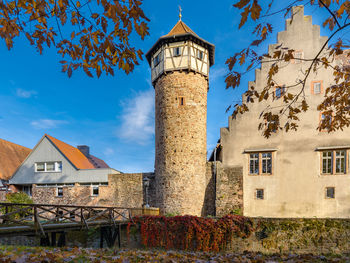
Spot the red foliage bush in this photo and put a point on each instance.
(191, 232)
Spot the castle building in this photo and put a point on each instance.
(294, 174)
(180, 63)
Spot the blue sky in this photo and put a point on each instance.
(115, 115)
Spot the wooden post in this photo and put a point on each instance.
(101, 237)
(119, 235)
(53, 239)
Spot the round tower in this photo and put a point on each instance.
(180, 64)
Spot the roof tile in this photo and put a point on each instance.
(76, 157)
(11, 156)
(179, 29)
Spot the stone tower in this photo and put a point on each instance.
(180, 64)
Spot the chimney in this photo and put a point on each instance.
(84, 149)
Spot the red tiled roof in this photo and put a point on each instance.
(76, 157)
(11, 156)
(98, 163)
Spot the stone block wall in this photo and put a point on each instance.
(124, 190)
(229, 190)
(180, 142)
(210, 192)
(75, 195)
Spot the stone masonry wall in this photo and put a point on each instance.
(126, 190)
(180, 134)
(229, 190)
(210, 193)
(76, 195)
(123, 190)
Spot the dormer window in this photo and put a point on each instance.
(200, 55)
(177, 51)
(48, 167)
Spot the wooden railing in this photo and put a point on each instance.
(43, 216)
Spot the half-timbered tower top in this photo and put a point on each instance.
(180, 49)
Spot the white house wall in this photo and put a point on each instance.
(296, 187)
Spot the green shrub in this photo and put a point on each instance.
(17, 198)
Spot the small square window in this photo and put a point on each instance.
(280, 91)
(325, 120)
(177, 51)
(259, 194)
(60, 191)
(330, 192)
(298, 57)
(95, 191)
(317, 87)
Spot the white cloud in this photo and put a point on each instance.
(47, 123)
(217, 73)
(138, 118)
(26, 94)
(108, 151)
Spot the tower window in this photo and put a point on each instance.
(177, 51)
(156, 60)
(200, 55)
(181, 101)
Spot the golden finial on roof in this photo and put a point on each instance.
(180, 10)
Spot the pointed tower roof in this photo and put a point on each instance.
(181, 32)
(179, 29)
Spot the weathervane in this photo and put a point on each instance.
(180, 10)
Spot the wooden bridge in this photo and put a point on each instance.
(45, 219)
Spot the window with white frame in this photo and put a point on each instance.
(333, 162)
(59, 191)
(94, 190)
(260, 163)
(316, 87)
(266, 161)
(259, 194)
(298, 56)
(95, 187)
(254, 163)
(48, 167)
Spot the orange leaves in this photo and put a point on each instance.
(253, 9)
(96, 40)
